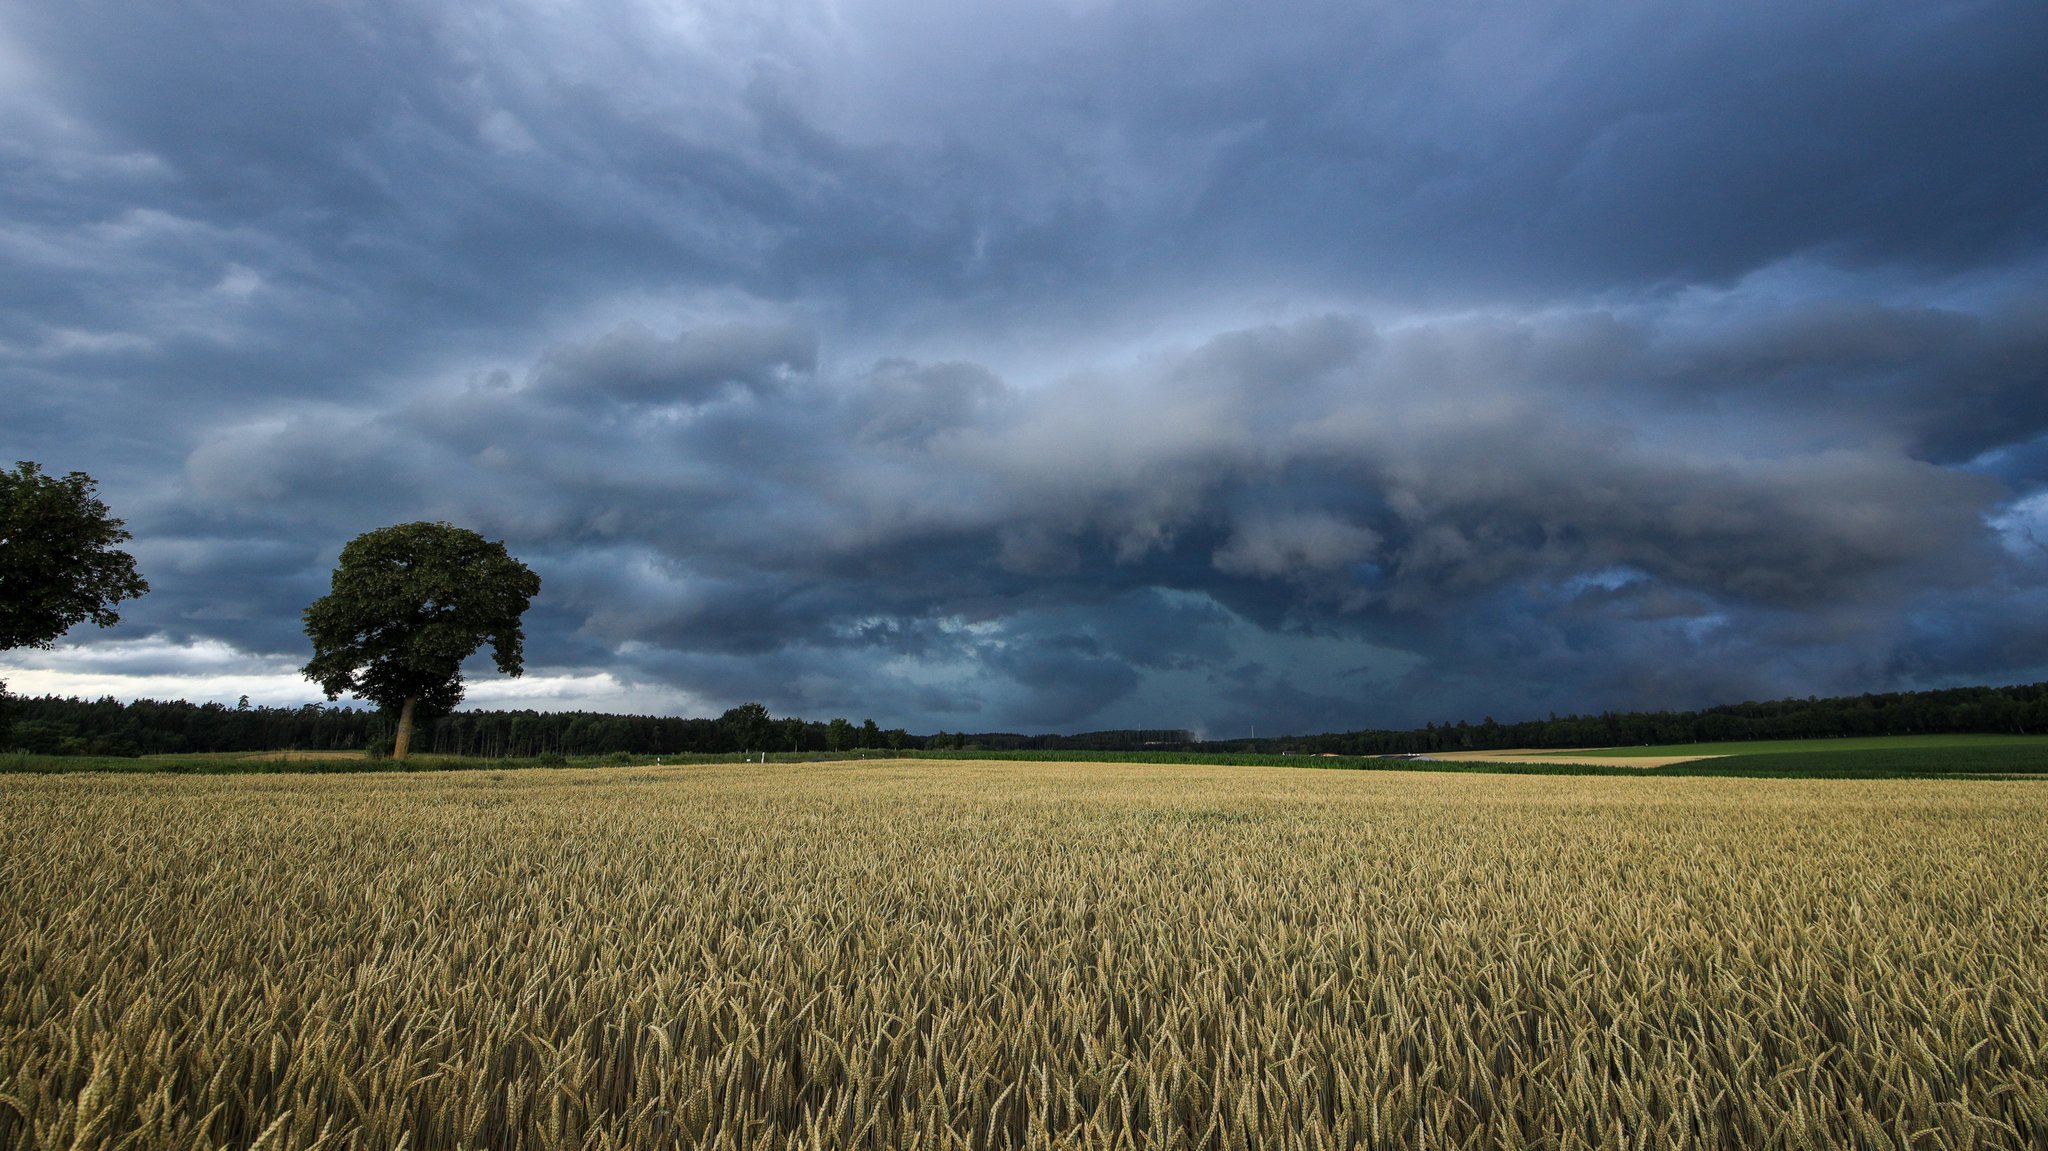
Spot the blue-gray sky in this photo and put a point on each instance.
(1055, 365)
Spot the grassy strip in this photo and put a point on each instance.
(1884, 743)
(2027, 758)
(1885, 763)
(1996, 757)
(2013, 758)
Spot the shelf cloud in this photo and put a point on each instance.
(1077, 366)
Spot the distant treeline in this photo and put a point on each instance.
(2018, 710)
(53, 725)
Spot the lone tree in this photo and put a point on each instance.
(747, 726)
(58, 562)
(409, 604)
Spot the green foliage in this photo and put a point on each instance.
(58, 562)
(747, 726)
(2016, 709)
(408, 605)
(158, 727)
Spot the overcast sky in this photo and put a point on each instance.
(1054, 365)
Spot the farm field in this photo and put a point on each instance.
(1882, 757)
(1859, 744)
(951, 954)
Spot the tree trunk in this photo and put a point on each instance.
(403, 742)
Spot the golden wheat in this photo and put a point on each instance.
(948, 955)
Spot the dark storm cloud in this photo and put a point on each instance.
(1324, 477)
(377, 165)
(632, 365)
(1065, 364)
(1950, 384)
(1572, 143)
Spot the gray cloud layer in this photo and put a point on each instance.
(1074, 365)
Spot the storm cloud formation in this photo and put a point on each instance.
(1079, 365)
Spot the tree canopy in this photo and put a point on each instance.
(58, 562)
(409, 604)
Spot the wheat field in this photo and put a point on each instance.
(959, 955)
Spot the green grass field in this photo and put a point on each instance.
(1883, 757)
(1883, 763)
(1886, 743)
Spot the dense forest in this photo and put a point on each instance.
(2017, 710)
(54, 725)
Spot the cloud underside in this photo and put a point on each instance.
(1457, 504)
(1069, 365)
